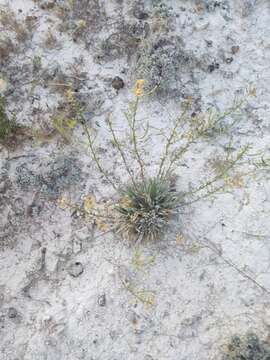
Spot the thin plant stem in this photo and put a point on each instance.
(169, 143)
(120, 150)
(94, 156)
(218, 177)
(132, 125)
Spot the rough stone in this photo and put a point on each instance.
(12, 313)
(102, 300)
(75, 269)
(118, 83)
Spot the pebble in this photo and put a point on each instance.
(201, 25)
(140, 14)
(213, 67)
(117, 83)
(12, 313)
(235, 49)
(228, 75)
(75, 269)
(229, 60)
(3, 186)
(102, 300)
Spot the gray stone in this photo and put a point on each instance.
(117, 83)
(12, 313)
(75, 269)
(102, 300)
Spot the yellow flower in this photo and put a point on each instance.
(89, 204)
(139, 87)
(81, 24)
(63, 203)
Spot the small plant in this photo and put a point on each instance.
(7, 126)
(64, 122)
(248, 347)
(146, 208)
(148, 202)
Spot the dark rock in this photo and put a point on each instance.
(12, 313)
(213, 67)
(235, 49)
(229, 60)
(75, 269)
(117, 83)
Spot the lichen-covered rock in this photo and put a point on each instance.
(161, 63)
(248, 347)
(124, 41)
(52, 177)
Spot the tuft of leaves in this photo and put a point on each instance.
(248, 347)
(146, 208)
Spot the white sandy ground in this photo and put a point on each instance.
(199, 300)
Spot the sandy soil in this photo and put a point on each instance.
(69, 290)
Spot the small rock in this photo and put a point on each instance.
(12, 313)
(235, 49)
(3, 186)
(75, 269)
(117, 83)
(140, 14)
(102, 300)
(201, 25)
(213, 67)
(229, 60)
(148, 357)
(209, 43)
(228, 75)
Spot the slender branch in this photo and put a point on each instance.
(219, 176)
(132, 125)
(94, 156)
(207, 243)
(169, 143)
(120, 150)
(176, 156)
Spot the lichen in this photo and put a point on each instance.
(248, 347)
(53, 176)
